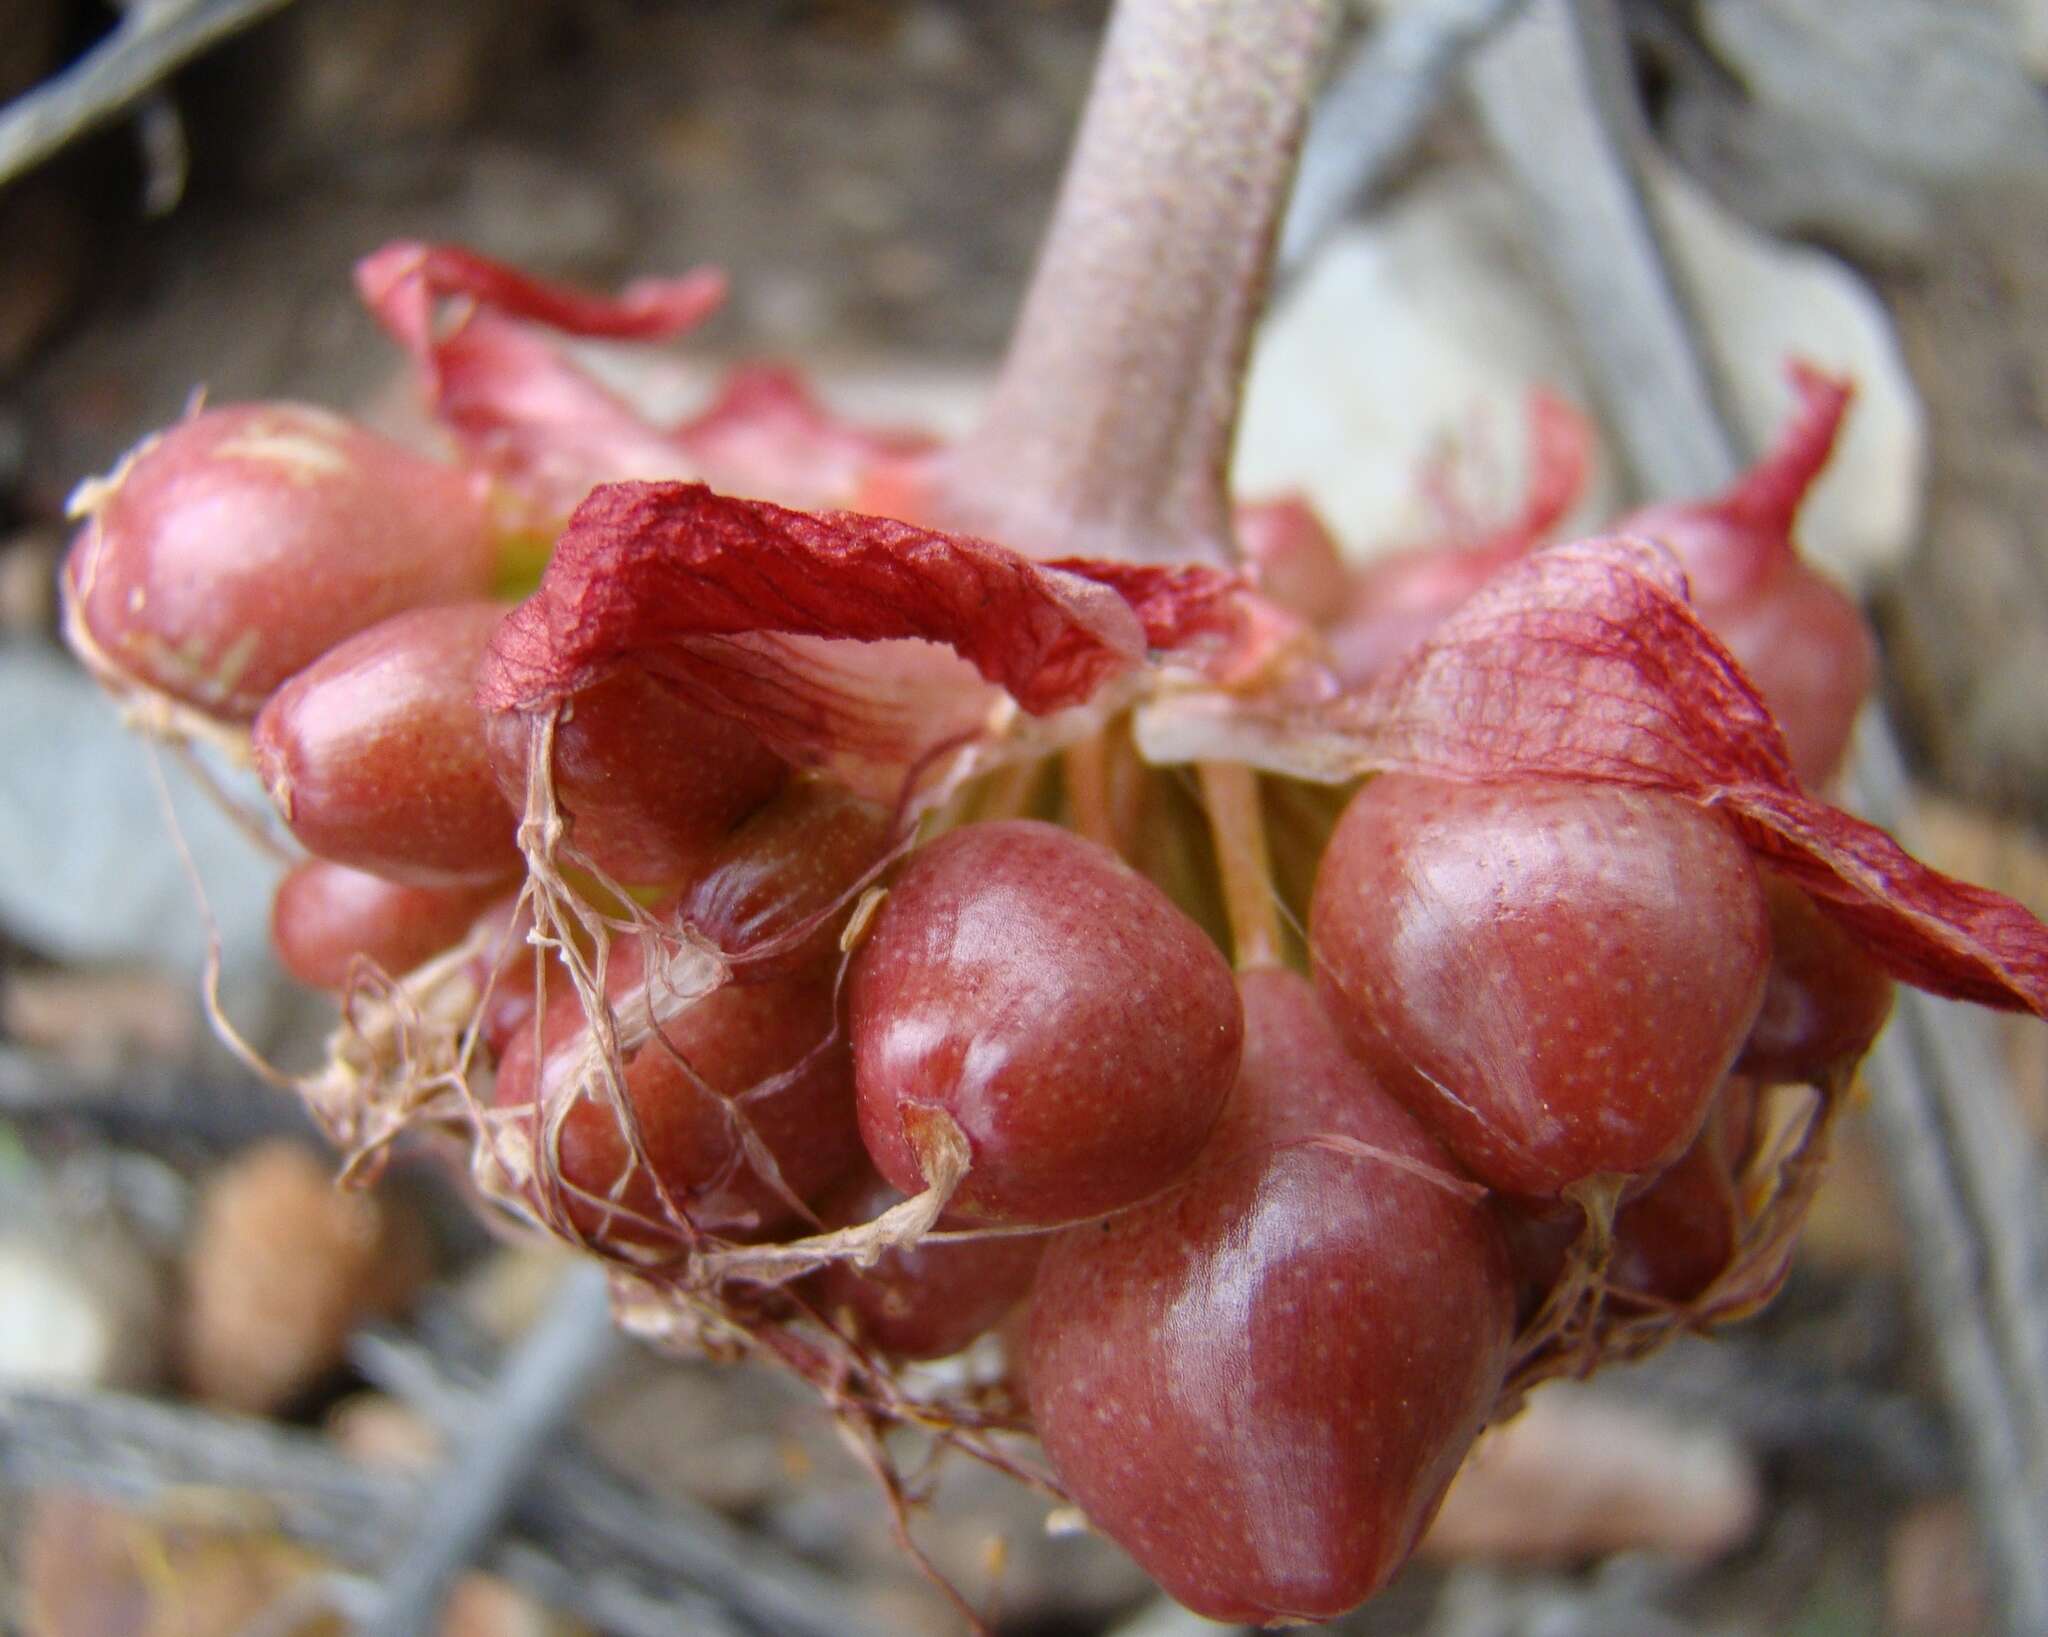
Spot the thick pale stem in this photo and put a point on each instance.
(1111, 425)
(1230, 791)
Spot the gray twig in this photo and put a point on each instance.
(1962, 1169)
(143, 1453)
(1557, 97)
(135, 1451)
(543, 1381)
(575, 1499)
(1374, 109)
(152, 42)
(1782, 1406)
(1554, 91)
(227, 1110)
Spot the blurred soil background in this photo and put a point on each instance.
(874, 175)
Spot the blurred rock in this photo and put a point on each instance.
(45, 229)
(1966, 626)
(482, 1605)
(331, 79)
(2012, 858)
(28, 581)
(282, 1266)
(751, 1441)
(96, 1019)
(1423, 328)
(1578, 1475)
(506, 1292)
(2030, 28)
(381, 1431)
(1853, 1222)
(82, 1301)
(91, 1569)
(1166, 1618)
(1628, 1596)
(88, 870)
(1859, 121)
(1934, 1574)
(731, 1437)
(28, 45)
(1428, 326)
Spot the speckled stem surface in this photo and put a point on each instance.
(1110, 428)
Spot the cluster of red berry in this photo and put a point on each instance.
(707, 993)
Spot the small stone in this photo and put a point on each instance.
(506, 1293)
(482, 1605)
(88, 870)
(28, 582)
(81, 1305)
(282, 1267)
(381, 1431)
(97, 1019)
(1577, 1476)
(90, 1569)
(1853, 1221)
(1934, 1573)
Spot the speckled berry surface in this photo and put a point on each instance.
(1260, 1385)
(1554, 977)
(1078, 1028)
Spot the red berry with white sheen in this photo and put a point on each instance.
(239, 545)
(774, 894)
(1555, 977)
(648, 782)
(755, 1058)
(1261, 1384)
(927, 1301)
(329, 923)
(1824, 1000)
(1672, 1241)
(376, 758)
(1079, 1029)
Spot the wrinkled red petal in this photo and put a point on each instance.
(728, 598)
(1772, 491)
(767, 434)
(477, 331)
(402, 282)
(1396, 600)
(1587, 662)
(482, 335)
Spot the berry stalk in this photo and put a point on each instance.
(1111, 425)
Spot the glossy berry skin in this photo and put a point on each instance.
(1824, 999)
(931, 1300)
(764, 1052)
(1680, 1234)
(375, 754)
(1078, 1028)
(774, 894)
(241, 544)
(329, 923)
(1554, 977)
(647, 782)
(1261, 1384)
